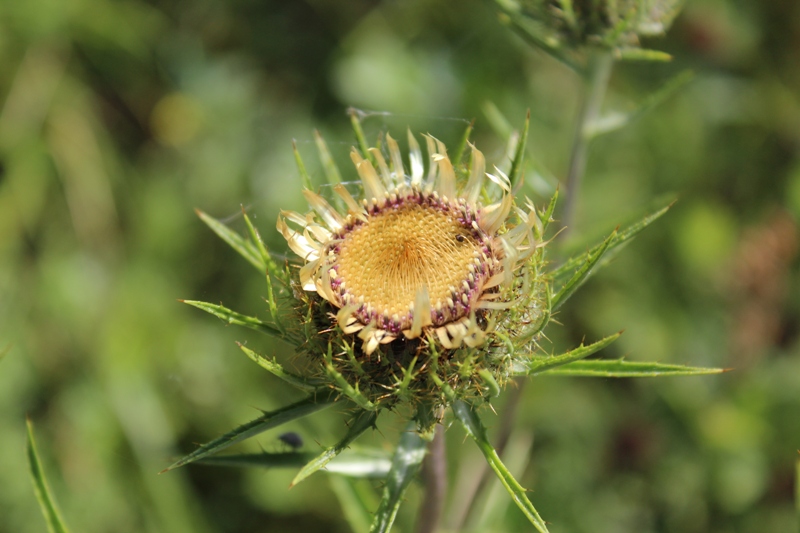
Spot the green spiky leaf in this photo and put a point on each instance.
(268, 420)
(469, 419)
(519, 154)
(582, 274)
(362, 421)
(620, 368)
(244, 247)
(277, 370)
(55, 524)
(621, 237)
(405, 465)
(539, 365)
(238, 319)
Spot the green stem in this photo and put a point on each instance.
(594, 90)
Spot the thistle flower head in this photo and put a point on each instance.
(428, 264)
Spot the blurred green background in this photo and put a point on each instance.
(119, 117)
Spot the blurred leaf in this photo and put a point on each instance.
(237, 319)
(615, 121)
(619, 368)
(245, 248)
(362, 421)
(328, 166)
(55, 524)
(356, 510)
(269, 420)
(405, 465)
(466, 414)
(355, 121)
(539, 365)
(641, 54)
(619, 238)
(301, 167)
(363, 462)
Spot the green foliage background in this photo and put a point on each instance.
(119, 117)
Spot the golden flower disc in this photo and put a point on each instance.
(397, 251)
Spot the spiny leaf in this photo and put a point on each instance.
(542, 364)
(277, 370)
(345, 387)
(469, 419)
(232, 317)
(519, 154)
(269, 420)
(358, 425)
(405, 465)
(620, 238)
(272, 267)
(582, 274)
(361, 463)
(245, 248)
(55, 524)
(619, 368)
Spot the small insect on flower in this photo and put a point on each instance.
(291, 439)
(434, 268)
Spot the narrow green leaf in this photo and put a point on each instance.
(620, 368)
(582, 274)
(361, 463)
(362, 421)
(543, 364)
(277, 370)
(237, 319)
(269, 420)
(548, 214)
(255, 237)
(462, 145)
(355, 121)
(301, 167)
(468, 417)
(519, 154)
(405, 465)
(621, 238)
(328, 165)
(245, 248)
(55, 524)
(641, 54)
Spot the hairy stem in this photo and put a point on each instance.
(434, 474)
(595, 84)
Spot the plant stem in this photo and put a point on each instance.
(594, 90)
(434, 474)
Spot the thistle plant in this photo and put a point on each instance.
(421, 290)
